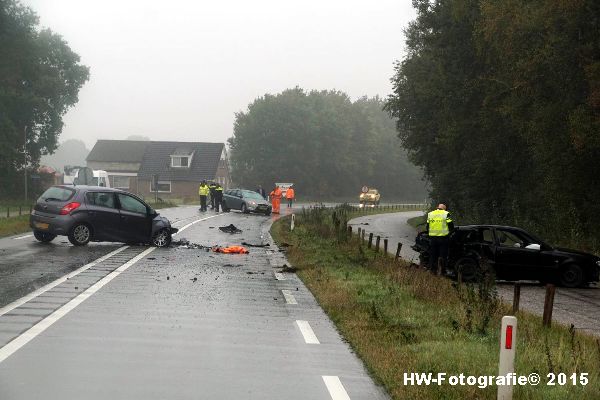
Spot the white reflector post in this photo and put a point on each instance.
(293, 223)
(508, 345)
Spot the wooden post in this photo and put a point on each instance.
(549, 304)
(377, 244)
(370, 240)
(7, 211)
(359, 229)
(363, 235)
(349, 230)
(398, 251)
(516, 297)
(385, 246)
(20, 211)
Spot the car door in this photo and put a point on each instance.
(135, 224)
(237, 201)
(517, 261)
(103, 214)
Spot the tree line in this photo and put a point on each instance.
(327, 144)
(499, 102)
(40, 78)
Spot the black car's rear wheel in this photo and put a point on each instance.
(468, 268)
(571, 276)
(80, 234)
(162, 238)
(44, 237)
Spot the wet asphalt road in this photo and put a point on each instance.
(177, 323)
(580, 307)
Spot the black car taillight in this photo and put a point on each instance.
(69, 207)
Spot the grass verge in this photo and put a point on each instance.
(400, 319)
(14, 225)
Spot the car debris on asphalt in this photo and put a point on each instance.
(231, 228)
(255, 245)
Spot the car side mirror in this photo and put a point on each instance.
(533, 246)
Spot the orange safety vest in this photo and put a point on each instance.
(276, 194)
(289, 194)
(231, 250)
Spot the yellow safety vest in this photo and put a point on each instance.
(203, 190)
(438, 221)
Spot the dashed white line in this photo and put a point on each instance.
(279, 276)
(44, 324)
(22, 237)
(307, 332)
(289, 297)
(57, 282)
(335, 388)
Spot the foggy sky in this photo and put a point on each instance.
(179, 70)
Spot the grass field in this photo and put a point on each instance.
(14, 225)
(400, 319)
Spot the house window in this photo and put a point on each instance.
(121, 182)
(163, 186)
(180, 162)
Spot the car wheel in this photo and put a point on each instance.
(468, 268)
(571, 276)
(244, 208)
(44, 237)
(267, 213)
(80, 235)
(161, 238)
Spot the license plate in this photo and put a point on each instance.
(41, 225)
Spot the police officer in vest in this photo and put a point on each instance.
(218, 197)
(439, 226)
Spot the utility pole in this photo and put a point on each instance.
(25, 160)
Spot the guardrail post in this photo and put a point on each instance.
(370, 240)
(359, 231)
(377, 244)
(385, 246)
(7, 211)
(363, 235)
(398, 251)
(549, 304)
(516, 297)
(349, 230)
(508, 344)
(20, 211)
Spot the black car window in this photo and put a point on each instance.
(486, 235)
(129, 203)
(101, 199)
(56, 193)
(237, 193)
(511, 239)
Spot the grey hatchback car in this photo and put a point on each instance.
(91, 213)
(246, 201)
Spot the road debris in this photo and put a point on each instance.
(286, 268)
(231, 250)
(255, 245)
(231, 228)
(183, 243)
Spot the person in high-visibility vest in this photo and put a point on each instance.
(203, 192)
(439, 227)
(290, 195)
(218, 197)
(276, 199)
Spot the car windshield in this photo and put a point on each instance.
(57, 194)
(252, 195)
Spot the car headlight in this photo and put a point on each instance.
(252, 203)
(598, 263)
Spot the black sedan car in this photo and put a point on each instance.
(246, 201)
(91, 213)
(514, 254)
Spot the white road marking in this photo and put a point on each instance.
(279, 276)
(289, 297)
(307, 332)
(57, 282)
(44, 324)
(22, 237)
(195, 222)
(335, 387)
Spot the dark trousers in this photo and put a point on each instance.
(212, 201)
(438, 249)
(290, 202)
(202, 203)
(218, 200)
